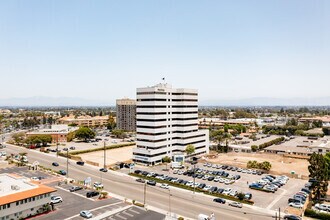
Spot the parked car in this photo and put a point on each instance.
(55, 199)
(92, 194)
(86, 214)
(75, 188)
(72, 148)
(296, 204)
(55, 164)
(151, 182)
(291, 217)
(98, 185)
(248, 196)
(236, 204)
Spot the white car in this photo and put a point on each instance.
(217, 179)
(98, 185)
(86, 214)
(180, 172)
(322, 207)
(55, 199)
(175, 172)
(207, 187)
(227, 191)
(35, 178)
(236, 204)
(233, 193)
(164, 186)
(205, 177)
(296, 204)
(3, 153)
(190, 183)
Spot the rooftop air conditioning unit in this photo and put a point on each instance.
(15, 187)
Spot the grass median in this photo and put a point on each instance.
(249, 202)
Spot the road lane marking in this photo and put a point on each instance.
(134, 211)
(126, 213)
(119, 216)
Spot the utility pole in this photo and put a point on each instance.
(169, 201)
(279, 213)
(104, 166)
(145, 194)
(57, 145)
(67, 163)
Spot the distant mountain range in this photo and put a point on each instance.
(70, 101)
(266, 101)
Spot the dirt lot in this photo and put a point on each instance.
(280, 164)
(113, 156)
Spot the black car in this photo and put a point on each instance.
(306, 190)
(81, 163)
(219, 200)
(292, 217)
(220, 190)
(140, 180)
(65, 149)
(151, 182)
(137, 171)
(213, 189)
(75, 188)
(55, 164)
(144, 173)
(185, 173)
(92, 194)
(201, 186)
(211, 178)
(104, 170)
(200, 176)
(184, 182)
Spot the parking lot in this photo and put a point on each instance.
(74, 202)
(136, 213)
(272, 201)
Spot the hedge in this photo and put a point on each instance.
(270, 143)
(99, 149)
(192, 188)
(318, 215)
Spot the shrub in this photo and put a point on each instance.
(313, 214)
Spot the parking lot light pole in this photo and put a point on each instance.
(169, 201)
(145, 194)
(105, 156)
(67, 163)
(194, 162)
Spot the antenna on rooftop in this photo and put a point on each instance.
(163, 79)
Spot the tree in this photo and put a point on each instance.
(240, 196)
(84, 133)
(190, 149)
(22, 158)
(166, 160)
(118, 133)
(40, 139)
(265, 165)
(318, 170)
(18, 137)
(111, 124)
(70, 136)
(254, 148)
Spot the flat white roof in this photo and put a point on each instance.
(10, 184)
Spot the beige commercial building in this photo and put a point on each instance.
(126, 114)
(87, 121)
(21, 197)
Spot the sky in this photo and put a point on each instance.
(103, 50)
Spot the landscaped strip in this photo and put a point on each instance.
(249, 202)
(318, 215)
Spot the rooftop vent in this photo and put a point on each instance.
(14, 187)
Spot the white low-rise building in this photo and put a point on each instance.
(21, 198)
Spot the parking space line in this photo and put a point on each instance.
(119, 216)
(134, 211)
(126, 213)
(108, 205)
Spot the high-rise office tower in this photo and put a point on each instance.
(125, 114)
(167, 121)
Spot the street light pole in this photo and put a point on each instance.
(57, 146)
(67, 163)
(169, 201)
(104, 166)
(145, 194)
